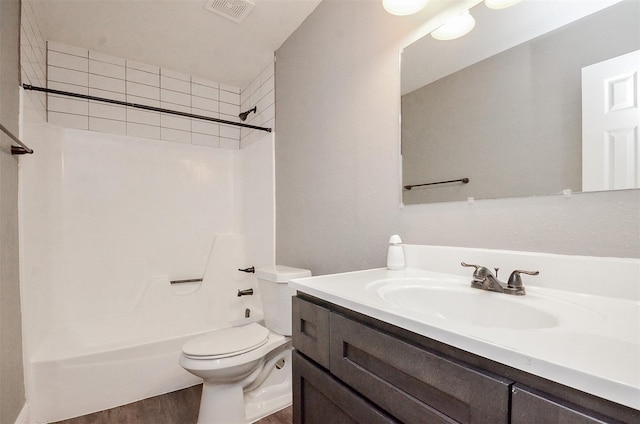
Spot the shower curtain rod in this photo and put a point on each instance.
(16, 150)
(145, 107)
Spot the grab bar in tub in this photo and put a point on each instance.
(192, 280)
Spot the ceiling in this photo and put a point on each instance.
(180, 35)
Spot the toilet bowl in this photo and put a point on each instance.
(246, 370)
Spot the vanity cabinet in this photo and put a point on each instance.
(532, 406)
(351, 368)
(392, 378)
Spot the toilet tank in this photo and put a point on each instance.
(276, 295)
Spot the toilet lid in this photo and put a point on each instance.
(227, 341)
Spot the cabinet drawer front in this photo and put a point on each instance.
(530, 406)
(310, 330)
(319, 398)
(414, 385)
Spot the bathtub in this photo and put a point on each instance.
(85, 366)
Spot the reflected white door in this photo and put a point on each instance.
(610, 121)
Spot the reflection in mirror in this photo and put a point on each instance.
(506, 113)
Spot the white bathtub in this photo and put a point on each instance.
(84, 366)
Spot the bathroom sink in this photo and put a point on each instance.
(432, 298)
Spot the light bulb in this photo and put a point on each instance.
(404, 7)
(455, 27)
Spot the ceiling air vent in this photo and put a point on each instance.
(234, 10)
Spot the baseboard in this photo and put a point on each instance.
(23, 417)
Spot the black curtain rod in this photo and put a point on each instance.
(22, 149)
(461, 180)
(145, 107)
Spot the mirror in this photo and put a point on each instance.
(502, 106)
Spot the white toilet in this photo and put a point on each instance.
(247, 370)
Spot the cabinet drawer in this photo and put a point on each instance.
(411, 384)
(530, 406)
(320, 398)
(310, 330)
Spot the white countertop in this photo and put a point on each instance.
(594, 346)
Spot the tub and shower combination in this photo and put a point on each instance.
(87, 366)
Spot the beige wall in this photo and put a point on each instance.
(11, 377)
(338, 168)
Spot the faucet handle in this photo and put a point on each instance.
(515, 281)
(480, 273)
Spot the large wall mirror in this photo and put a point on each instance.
(507, 105)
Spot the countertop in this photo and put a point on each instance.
(591, 343)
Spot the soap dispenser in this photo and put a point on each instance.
(395, 255)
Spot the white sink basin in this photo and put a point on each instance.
(431, 298)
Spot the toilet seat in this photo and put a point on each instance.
(226, 342)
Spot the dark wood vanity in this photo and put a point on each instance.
(351, 368)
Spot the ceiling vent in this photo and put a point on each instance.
(234, 10)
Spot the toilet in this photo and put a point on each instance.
(247, 370)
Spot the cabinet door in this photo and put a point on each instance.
(319, 398)
(412, 384)
(310, 330)
(530, 406)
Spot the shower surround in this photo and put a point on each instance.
(106, 222)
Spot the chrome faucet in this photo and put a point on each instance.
(484, 279)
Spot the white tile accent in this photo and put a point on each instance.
(101, 57)
(33, 62)
(205, 91)
(142, 130)
(229, 109)
(82, 71)
(229, 88)
(107, 83)
(205, 82)
(66, 48)
(143, 90)
(205, 104)
(143, 101)
(107, 94)
(204, 112)
(68, 61)
(143, 67)
(205, 140)
(68, 76)
(174, 84)
(66, 104)
(68, 120)
(228, 97)
(174, 97)
(169, 134)
(143, 117)
(107, 111)
(260, 93)
(106, 69)
(107, 125)
(175, 122)
(204, 127)
(78, 89)
(228, 131)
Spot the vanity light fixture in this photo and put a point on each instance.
(455, 27)
(500, 4)
(404, 7)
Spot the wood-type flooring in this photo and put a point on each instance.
(179, 407)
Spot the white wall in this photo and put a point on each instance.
(338, 168)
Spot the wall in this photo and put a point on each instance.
(338, 168)
(12, 392)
